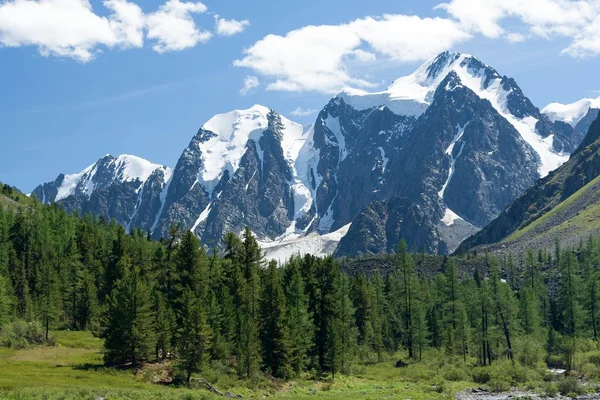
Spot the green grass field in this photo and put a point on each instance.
(73, 370)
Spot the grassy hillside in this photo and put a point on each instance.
(548, 210)
(12, 198)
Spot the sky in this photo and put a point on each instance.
(80, 79)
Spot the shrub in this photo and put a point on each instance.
(529, 351)
(550, 389)
(480, 375)
(569, 384)
(555, 361)
(498, 385)
(21, 334)
(590, 371)
(455, 374)
(594, 358)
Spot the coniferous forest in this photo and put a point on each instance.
(176, 300)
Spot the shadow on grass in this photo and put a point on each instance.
(94, 367)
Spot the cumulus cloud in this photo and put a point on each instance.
(71, 28)
(543, 17)
(173, 27)
(230, 27)
(250, 82)
(316, 57)
(321, 58)
(301, 112)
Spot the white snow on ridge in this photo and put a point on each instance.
(127, 168)
(70, 182)
(130, 168)
(570, 113)
(233, 130)
(497, 96)
(315, 244)
(411, 96)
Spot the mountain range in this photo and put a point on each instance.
(432, 159)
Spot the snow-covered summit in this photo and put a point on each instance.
(108, 169)
(570, 113)
(412, 95)
(224, 150)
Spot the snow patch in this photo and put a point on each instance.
(449, 151)
(450, 217)
(168, 177)
(315, 244)
(384, 159)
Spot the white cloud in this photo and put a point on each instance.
(321, 58)
(574, 19)
(70, 28)
(316, 57)
(586, 43)
(250, 82)
(515, 37)
(301, 112)
(173, 27)
(230, 27)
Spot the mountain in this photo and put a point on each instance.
(464, 142)
(565, 205)
(431, 159)
(128, 189)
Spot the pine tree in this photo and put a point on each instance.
(326, 307)
(298, 318)
(274, 331)
(194, 338)
(248, 286)
(344, 328)
(406, 272)
(128, 333)
(378, 315)
(569, 303)
(49, 297)
(162, 323)
(88, 309)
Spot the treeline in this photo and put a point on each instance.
(172, 299)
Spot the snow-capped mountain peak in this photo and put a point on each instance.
(411, 95)
(108, 169)
(570, 113)
(225, 144)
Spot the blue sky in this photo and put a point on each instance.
(65, 103)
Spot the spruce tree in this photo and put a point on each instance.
(194, 338)
(298, 318)
(274, 331)
(128, 330)
(248, 292)
(344, 327)
(406, 273)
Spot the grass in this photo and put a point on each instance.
(73, 370)
(584, 220)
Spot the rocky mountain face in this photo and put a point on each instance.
(127, 189)
(433, 158)
(565, 205)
